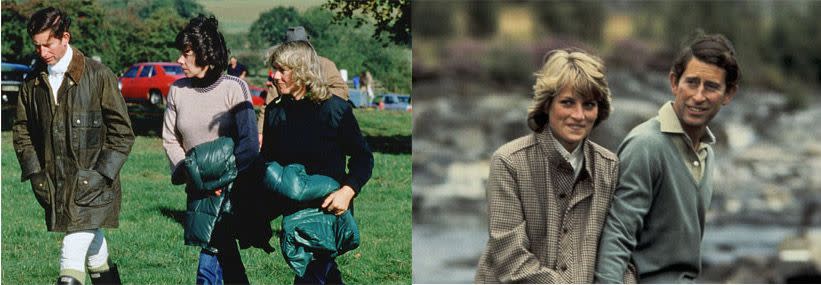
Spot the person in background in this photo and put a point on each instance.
(330, 74)
(366, 85)
(548, 192)
(310, 126)
(72, 136)
(236, 69)
(665, 186)
(202, 107)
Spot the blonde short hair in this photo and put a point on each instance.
(301, 58)
(568, 68)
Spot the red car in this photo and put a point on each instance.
(148, 82)
(258, 95)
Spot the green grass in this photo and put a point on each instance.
(148, 245)
(237, 16)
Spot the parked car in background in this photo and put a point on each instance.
(358, 98)
(148, 82)
(392, 101)
(13, 76)
(258, 95)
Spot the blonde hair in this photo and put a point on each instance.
(568, 68)
(301, 58)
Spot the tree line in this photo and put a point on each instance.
(124, 32)
(777, 42)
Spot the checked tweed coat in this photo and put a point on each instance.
(543, 226)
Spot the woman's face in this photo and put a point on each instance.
(571, 118)
(188, 61)
(285, 83)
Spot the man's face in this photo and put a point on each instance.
(233, 61)
(700, 93)
(49, 48)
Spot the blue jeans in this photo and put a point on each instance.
(322, 271)
(223, 267)
(209, 271)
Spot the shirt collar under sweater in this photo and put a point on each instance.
(670, 124)
(558, 154)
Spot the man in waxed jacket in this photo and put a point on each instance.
(72, 135)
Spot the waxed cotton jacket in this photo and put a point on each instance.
(210, 166)
(73, 149)
(308, 232)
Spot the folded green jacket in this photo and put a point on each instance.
(309, 233)
(210, 166)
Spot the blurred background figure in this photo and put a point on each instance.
(236, 69)
(473, 63)
(366, 84)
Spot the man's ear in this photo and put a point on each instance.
(65, 38)
(728, 95)
(673, 82)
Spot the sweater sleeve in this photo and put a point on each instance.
(632, 199)
(360, 165)
(171, 138)
(246, 140)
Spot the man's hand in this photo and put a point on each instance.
(338, 202)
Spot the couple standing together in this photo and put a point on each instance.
(563, 209)
(73, 135)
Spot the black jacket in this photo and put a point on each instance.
(319, 136)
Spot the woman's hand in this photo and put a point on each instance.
(338, 202)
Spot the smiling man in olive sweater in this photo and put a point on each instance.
(656, 219)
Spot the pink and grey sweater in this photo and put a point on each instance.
(197, 115)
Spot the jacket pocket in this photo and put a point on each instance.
(87, 130)
(41, 186)
(92, 189)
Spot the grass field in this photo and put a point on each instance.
(148, 245)
(237, 16)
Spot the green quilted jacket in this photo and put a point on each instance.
(308, 233)
(210, 166)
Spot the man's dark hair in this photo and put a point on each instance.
(202, 37)
(49, 18)
(714, 49)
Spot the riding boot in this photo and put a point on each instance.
(68, 280)
(110, 277)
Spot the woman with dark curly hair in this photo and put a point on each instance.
(311, 127)
(202, 107)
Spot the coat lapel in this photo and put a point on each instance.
(76, 66)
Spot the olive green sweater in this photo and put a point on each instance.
(656, 219)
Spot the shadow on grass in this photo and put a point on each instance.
(176, 215)
(390, 144)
